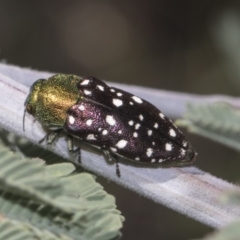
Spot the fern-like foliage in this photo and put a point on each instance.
(217, 121)
(230, 232)
(52, 202)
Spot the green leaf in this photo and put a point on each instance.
(230, 232)
(13, 230)
(53, 202)
(217, 121)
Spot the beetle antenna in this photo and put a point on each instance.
(24, 114)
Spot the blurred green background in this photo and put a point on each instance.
(184, 46)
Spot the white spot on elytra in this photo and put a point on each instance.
(156, 125)
(121, 144)
(85, 82)
(89, 122)
(99, 129)
(161, 115)
(141, 117)
(168, 146)
(81, 108)
(153, 160)
(131, 122)
(120, 132)
(149, 132)
(117, 102)
(137, 126)
(137, 158)
(149, 152)
(153, 143)
(119, 94)
(131, 103)
(135, 135)
(137, 99)
(105, 132)
(100, 87)
(87, 92)
(112, 90)
(110, 120)
(183, 152)
(91, 137)
(71, 119)
(113, 149)
(184, 143)
(172, 133)
(161, 160)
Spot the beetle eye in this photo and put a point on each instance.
(29, 109)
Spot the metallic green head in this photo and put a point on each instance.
(49, 99)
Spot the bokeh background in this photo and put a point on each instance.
(184, 46)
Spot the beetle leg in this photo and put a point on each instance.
(70, 147)
(50, 137)
(111, 157)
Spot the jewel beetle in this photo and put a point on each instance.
(118, 122)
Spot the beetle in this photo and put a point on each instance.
(118, 122)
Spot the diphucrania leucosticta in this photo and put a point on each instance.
(118, 122)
